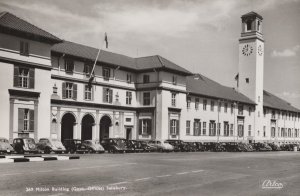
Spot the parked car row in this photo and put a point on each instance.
(121, 145)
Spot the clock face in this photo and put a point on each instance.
(247, 50)
(260, 50)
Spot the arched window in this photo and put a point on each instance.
(258, 25)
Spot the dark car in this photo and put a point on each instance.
(93, 146)
(274, 147)
(48, 145)
(5, 147)
(200, 147)
(214, 147)
(261, 147)
(114, 145)
(192, 146)
(74, 146)
(232, 147)
(134, 146)
(179, 145)
(22, 145)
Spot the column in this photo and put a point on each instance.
(58, 131)
(97, 126)
(79, 123)
(11, 119)
(36, 103)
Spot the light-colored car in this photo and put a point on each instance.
(5, 147)
(161, 146)
(48, 145)
(93, 146)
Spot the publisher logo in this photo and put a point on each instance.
(272, 184)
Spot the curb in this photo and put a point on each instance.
(34, 158)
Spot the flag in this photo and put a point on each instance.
(106, 41)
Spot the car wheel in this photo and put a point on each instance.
(47, 151)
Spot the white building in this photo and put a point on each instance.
(45, 92)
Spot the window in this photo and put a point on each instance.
(25, 120)
(240, 130)
(289, 133)
(212, 128)
(107, 95)
(69, 65)
(196, 103)
(273, 132)
(265, 111)
(145, 127)
(87, 69)
(174, 127)
(88, 95)
(249, 130)
(212, 105)
(128, 97)
(282, 132)
(204, 104)
(188, 102)
(204, 128)
(197, 127)
(146, 98)
(264, 131)
(188, 127)
(146, 78)
(273, 114)
(250, 110)
(226, 129)
(232, 108)
(23, 77)
(247, 80)
(219, 106)
(174, 80)
(173, 99)
(231, 129)
(129, 78)
(128, 119)
(258, 25)
(248, 25)
(24, 48)
(225, 107)
(69, 90)
(106, 73)
(219, 129)
(240, 109)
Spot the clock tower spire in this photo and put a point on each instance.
(251, 62)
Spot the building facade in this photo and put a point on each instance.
(46, 91)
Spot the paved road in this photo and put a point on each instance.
(199, 173)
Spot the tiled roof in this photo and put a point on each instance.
(11, 23)
(275, 102)
(137, 64)
(252, 14)
(202, 85)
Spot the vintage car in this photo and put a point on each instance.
(114, 145)
(161, 146)
(74, 146)
(22, 145)
(134, 146)
(261, 147)
(179, 145)
(146, 147)
(93, 146)
(5, 147)
(192, 146)
(48, 145)
(274, 147)
(214, 147)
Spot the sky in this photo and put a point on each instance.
(199, 35)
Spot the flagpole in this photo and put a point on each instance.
(104, 40)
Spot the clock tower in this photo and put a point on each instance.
(251, 63)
